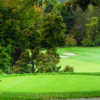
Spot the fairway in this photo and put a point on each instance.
(85, 59)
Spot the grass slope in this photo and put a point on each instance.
(87, 59)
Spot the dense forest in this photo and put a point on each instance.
(29, 26)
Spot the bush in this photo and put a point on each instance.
(97, 40)
(68, 69)
(47, 62)
(87, 42)
(43, 62)
(70, 40)
(18, 69)
(23, 64)
(5, 59)
(1, 71)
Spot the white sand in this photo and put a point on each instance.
(63, 56)
(66, 55)
(69, 54)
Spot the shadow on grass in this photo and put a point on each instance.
(83, 73)
(53, 73)
(49, 96)
(52, 95)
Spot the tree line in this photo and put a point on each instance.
(28, 26)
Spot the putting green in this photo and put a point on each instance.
(86, 59)
(50, 83)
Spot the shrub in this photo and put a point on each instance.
(47, 62)
(23, 64)
(87, 42)
(70, 40)
(97, 40)
(5, 59)
(1, 71)
(68, 69)
(43, 62)
(18, 69)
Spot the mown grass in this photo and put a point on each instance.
(49, 96)
(83, 82)
(86, 59)
(51, 85)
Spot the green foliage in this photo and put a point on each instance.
(96, 2)
(68, 69)
(1, 71)
(32, 27)
(70, 40)
(84, 3)
(20, 24)
(5, 59)
(97, 39)
(47, 62)
(25, 63)
(21, 27)
(87, 42)
(54, 30)
(68, 16)
(28, 25)
(92, 31)
(52, 6)
(78, 29)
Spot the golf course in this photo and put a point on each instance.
(83, 82)
(82, 59)
(49, 49)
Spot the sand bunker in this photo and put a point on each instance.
(69, 54)
(66, 55)
(63, 56)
